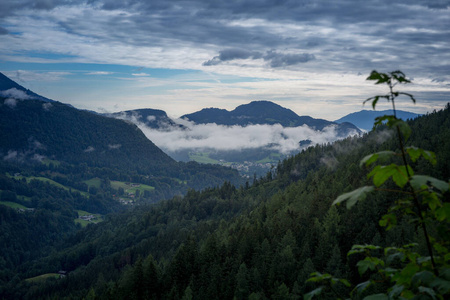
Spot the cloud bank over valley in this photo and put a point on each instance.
(213, 137)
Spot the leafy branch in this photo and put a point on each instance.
(419, 276)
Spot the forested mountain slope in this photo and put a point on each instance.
(8, 84)
(32, 130)
(58, 164)
(260, 241)
(57, 131)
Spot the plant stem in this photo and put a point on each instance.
(415, 199)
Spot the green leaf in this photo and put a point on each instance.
(378, 77)
(392, 122)
(364, 265)
(428, 291)
(443, 213)
(402, 126)
(384, 120)
(398, 173)
(344, 282)
(442, 285)
(316, 277)
(388, 221)
(395, 256)
(313, 293)
(362, 248)
(354, 196)
(408, 95)
(415, 153)
(382, 173)
(375, 100)
(399, 76)
(396, 291)
(401, 176)
(406, 273)
(371, 158)
(362, 286)
(431, 198)
(377, 297)
(376, 261)
(423, 277)
(421, 181)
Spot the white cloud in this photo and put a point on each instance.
(308, 40)
(15, 94)
(11, 102)
(219, 137)
(12, 154)
(89, 149)
(99, 73)
(114, 146)
(46, 106)
(27, 76)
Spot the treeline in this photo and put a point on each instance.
(253, 242)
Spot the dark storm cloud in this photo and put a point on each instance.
(282, 60)
(232, 54)
(10, 7)
(344, 34)
(275, 59)
(394, 30)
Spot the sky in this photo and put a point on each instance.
(181, 56)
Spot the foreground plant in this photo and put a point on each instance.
(406, 273)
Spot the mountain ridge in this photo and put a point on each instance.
(7, 84)
(263, 112)
(152, 118)
(364, 119)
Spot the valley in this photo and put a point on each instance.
(90, 207)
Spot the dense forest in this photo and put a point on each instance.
(259, 240)
(62, 169)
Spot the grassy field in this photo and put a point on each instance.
(42, 277)
(95, 182)
(272, 158)
(45, 179)
(130, 189)
(202, 158)
(24, 198)
(13, 204)
(47, 162)
(84, 223)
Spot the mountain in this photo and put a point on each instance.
(59, 164)
(10, 87)
(153, 118)
(264, 112)
(35, 131)
(260, 242)
(54, 130)
(364, 119)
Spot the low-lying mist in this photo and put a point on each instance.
(204, 137)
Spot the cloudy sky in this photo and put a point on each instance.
(180, 56)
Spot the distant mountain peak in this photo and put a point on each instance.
(153, 118)
(263, 112)
(364, 119)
